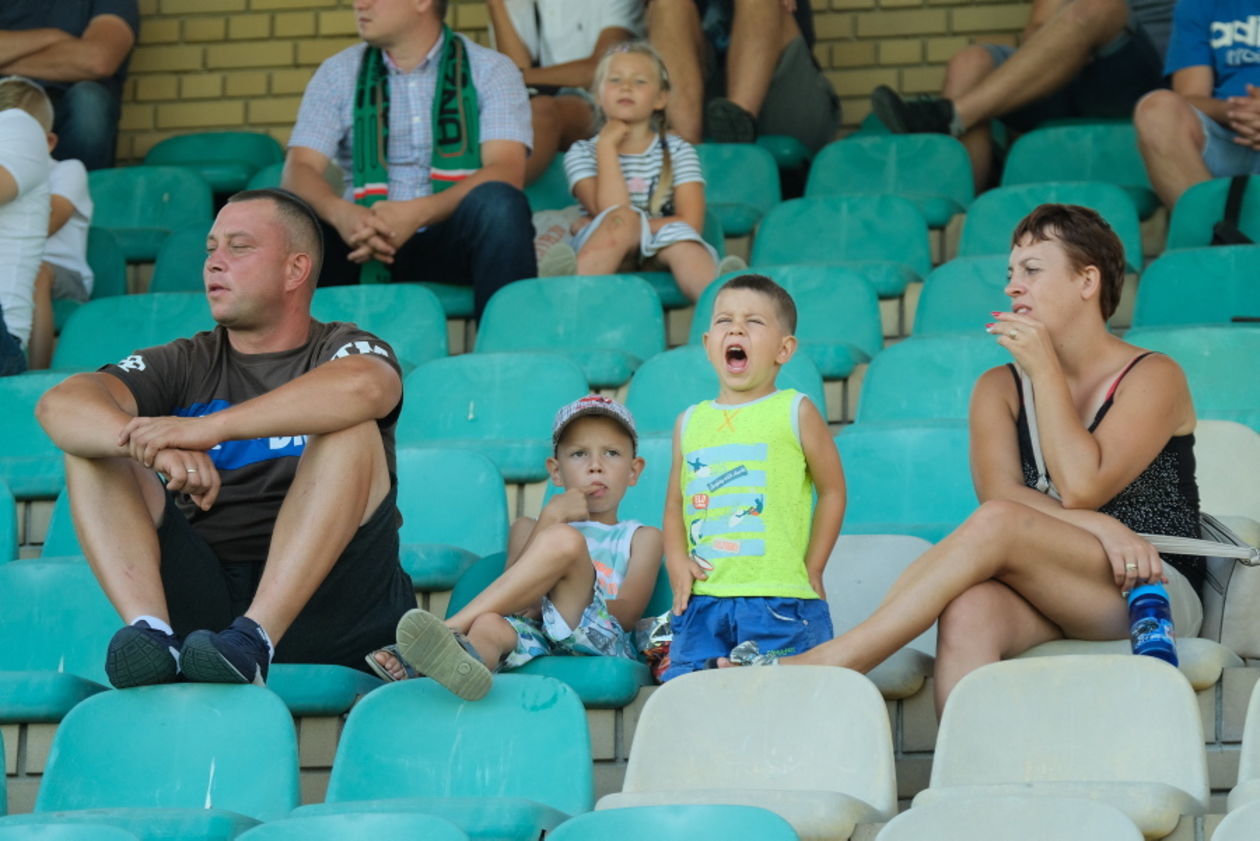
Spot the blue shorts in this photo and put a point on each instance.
(711, 626)
(1221, 155)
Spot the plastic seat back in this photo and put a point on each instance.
(1203, 205)
(406, 315)
(570, 315)
(958, 296)
(8, 523)
(527, 739)
(1012, 816)
(550, 190)
(109, 330)
(931, 170)
(29, 462)
(839, 229)
(914, 477)
(992, 217)
(1071, 719)
(1247, 789)
(766, 729)
(677, 823)
(927, 377)
(1226, 455)
(362, 826)
(141, 204)
(1241, 824)
(669, 382)
(226, 159)
(1104, 151)
(268, 176)
(109, 266)
(861, 570)
(471, 510)
(1219, 361)
(52, 831)
(181, 260)
(1199, 286)
(189, 746)
(741, 184)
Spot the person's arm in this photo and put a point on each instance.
(581, 72)
(61, 211)
(9, 188)
(99, 53)
(823, 460)
(1196, 84)
(17, 43)
(506, 39)
(334, 396)
(688, 207)
(610, 184)
(640, 579)
(678, 563)
(84, 414)
(567, 507)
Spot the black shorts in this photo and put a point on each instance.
(354, 611)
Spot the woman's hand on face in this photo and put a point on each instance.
(1133, 560)
(1026, 338)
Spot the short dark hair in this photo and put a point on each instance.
(305, 232)
(1088, 241)
(760, 283)
(439, 6)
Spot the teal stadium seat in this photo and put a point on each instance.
(181, 260)
(443, 533)
(406, 315)
(676, 823)
(109, 273)
(268, 176)
(669, 382)
(931, 170)
(607, 324)
(907, 477)
(513, 765)
(54, 631)
(838, 323)
(226, 159)
(8, 522)
(1203, 205)
(29, 463)
(992, 217)
(600, 682)
(884, 237)
(926, 377)
(52, 831)
(1101, 151)
(189, 761)
(741, 184)
(550, 190)
(789, 153)
(142, 204)
(1220, 364)
(1200, 286)
(959, 296)
(356, 828)
(109, 330)
(672, 297)
(500, 404)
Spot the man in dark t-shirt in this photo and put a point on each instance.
(78, 50)
(276, 533)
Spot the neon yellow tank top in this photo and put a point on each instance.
(748, 497)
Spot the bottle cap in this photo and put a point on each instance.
(1145, 589)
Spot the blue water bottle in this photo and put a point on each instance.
(1150, 623)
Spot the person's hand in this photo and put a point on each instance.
(568, 507)
(789, 6)
(1133, 560)
(613, 132)
(191, 472)
(144, 438)
(1027, 339)
(1243, 114)
(579, 223)
(681, 576)
(348, 220)
(398, 221)
(816, 582)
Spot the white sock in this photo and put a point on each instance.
(155, 623)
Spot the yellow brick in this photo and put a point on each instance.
(892, 4)
(274, 109)
(165, 59)
(159, 30)
(201, 114)
(989, 18)
(204, 29)
(289, 4)
(245, 83)
(135, 116)
(901, 51)
(917, 22)
(148, 8)
(853, 54)
(281, 134)
(250, 54)
(315, 51)
(245, 27)
(831, 26)
(182, 7)
(470, 16)
(141, 143)
(943, 49)
(160, 86)
(861, 82)
(201, 86)
(294, 24)
(849, 5)
(290, 81)
(340, 22)
(922, 79)
(481, 36)
(855, 110)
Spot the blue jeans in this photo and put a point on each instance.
(1221, 155)
(85, 118)
(487, 243)
(12, 360)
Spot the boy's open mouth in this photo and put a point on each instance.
(736, 358)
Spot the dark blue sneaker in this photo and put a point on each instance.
(139, 655)
(239, 654)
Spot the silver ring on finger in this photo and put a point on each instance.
(194, 470)
(1131, 567)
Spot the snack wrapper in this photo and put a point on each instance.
(652, 636)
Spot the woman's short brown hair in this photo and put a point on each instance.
(1088, 241)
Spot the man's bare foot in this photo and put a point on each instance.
(388, 664)
(725, 663)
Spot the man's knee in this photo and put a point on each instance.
(494, 208)
(1162, 111)
(1100, 20)
(971, 62)
(545, 115)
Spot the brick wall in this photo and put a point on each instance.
(204, 65)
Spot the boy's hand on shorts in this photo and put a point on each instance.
(815, 581)
(570, 506)
(680, 581)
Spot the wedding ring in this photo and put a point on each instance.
(1131, 567)
(192, 469)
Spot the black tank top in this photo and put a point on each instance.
(1163, 499)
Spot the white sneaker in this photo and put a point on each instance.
(560, 260)
(730, 264)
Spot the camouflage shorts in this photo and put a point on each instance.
(598, 633)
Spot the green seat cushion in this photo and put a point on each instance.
(434, 566)
(496, 818)
(937, 210)
(456, 300)
(151, 824)
(672, 298)
(737, 219)
(835, 361)
(601, 682)
(319, 689)
(518, 460)
(33, 477)
(223, 176)
(140, 245)
(41, 695)
(789, 153)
